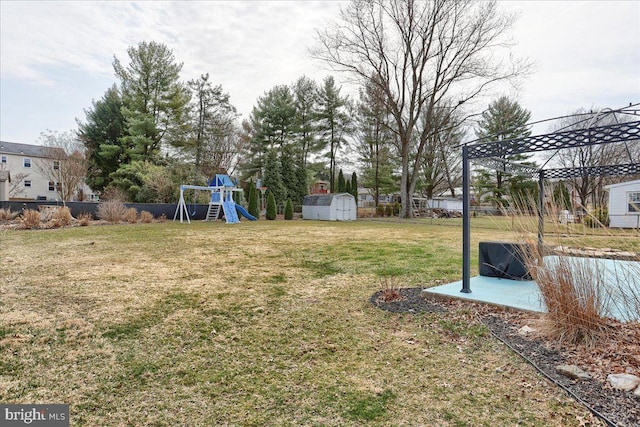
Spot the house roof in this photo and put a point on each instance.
(23, 149)
(623, 184)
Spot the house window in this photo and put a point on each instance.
(27, 162)
(27, 183)
(58, 186)
(3, 159)
(56, 165)
(634, 202)
(52, 186)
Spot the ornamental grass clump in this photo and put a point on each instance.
(573, 290)
(146, 217)
(62, 217)
(30, 219)
(131, 215)
(112, 211)
(389, 285)
(85, 219)
(7, 215)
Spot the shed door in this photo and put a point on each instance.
(342, 209)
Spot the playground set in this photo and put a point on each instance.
(222, 189)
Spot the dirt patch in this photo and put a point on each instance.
(621, 353)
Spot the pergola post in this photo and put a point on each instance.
(540, 212)
(466, 224)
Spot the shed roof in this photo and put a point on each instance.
(322, 199)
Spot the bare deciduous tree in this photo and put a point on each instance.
(590, 188)
(420, 53)
(15, 188)
(65, 164)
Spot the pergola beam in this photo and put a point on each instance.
(601, 170)
(621, 132)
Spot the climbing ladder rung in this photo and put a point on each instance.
(212, 212)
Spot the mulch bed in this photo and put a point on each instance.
(614, 407)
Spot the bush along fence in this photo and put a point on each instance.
(79, 208)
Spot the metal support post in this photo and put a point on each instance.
(466, 224)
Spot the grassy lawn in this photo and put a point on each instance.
(253, 324)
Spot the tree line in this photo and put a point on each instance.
(421, 67)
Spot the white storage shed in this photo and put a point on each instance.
(624, 204)
(330, 207)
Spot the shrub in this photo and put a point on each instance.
(388, 210)
(288, 209)
(131, 215)
(380, 210)
(162, 218)
(7, 215)
(62, 217)
(254, 196)
(111, 211)
(146, 217)
(113, 193)
(396, 208)
(30, 219)
(271, 207)
(85, 219)
(597, 219)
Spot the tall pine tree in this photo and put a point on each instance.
(503, 120)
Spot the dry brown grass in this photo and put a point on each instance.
(85, 219)
(575, 292)
(112, 211)
(61, 217)
(7, 215)
(130, 215)
(30, 219)
(146, 217)
(576, 307)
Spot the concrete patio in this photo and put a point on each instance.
(621, 281)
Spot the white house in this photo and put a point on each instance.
(27, 181)
(330, 207)
(624, 204)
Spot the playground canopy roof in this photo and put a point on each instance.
(222, 181)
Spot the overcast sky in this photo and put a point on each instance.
(56, 57)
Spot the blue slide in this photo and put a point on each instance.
(245, 214)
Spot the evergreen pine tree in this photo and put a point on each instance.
(288, 210)
(341, 183)
(271, 206)
(504, 120)
(273, 177)
(354, 186)
(253, 201)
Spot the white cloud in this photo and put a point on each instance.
(587, 53)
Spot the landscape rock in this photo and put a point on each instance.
(573, 372)
(526, 330)
(626, 382)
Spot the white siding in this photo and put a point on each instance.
(341, 207)
(619, 214)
